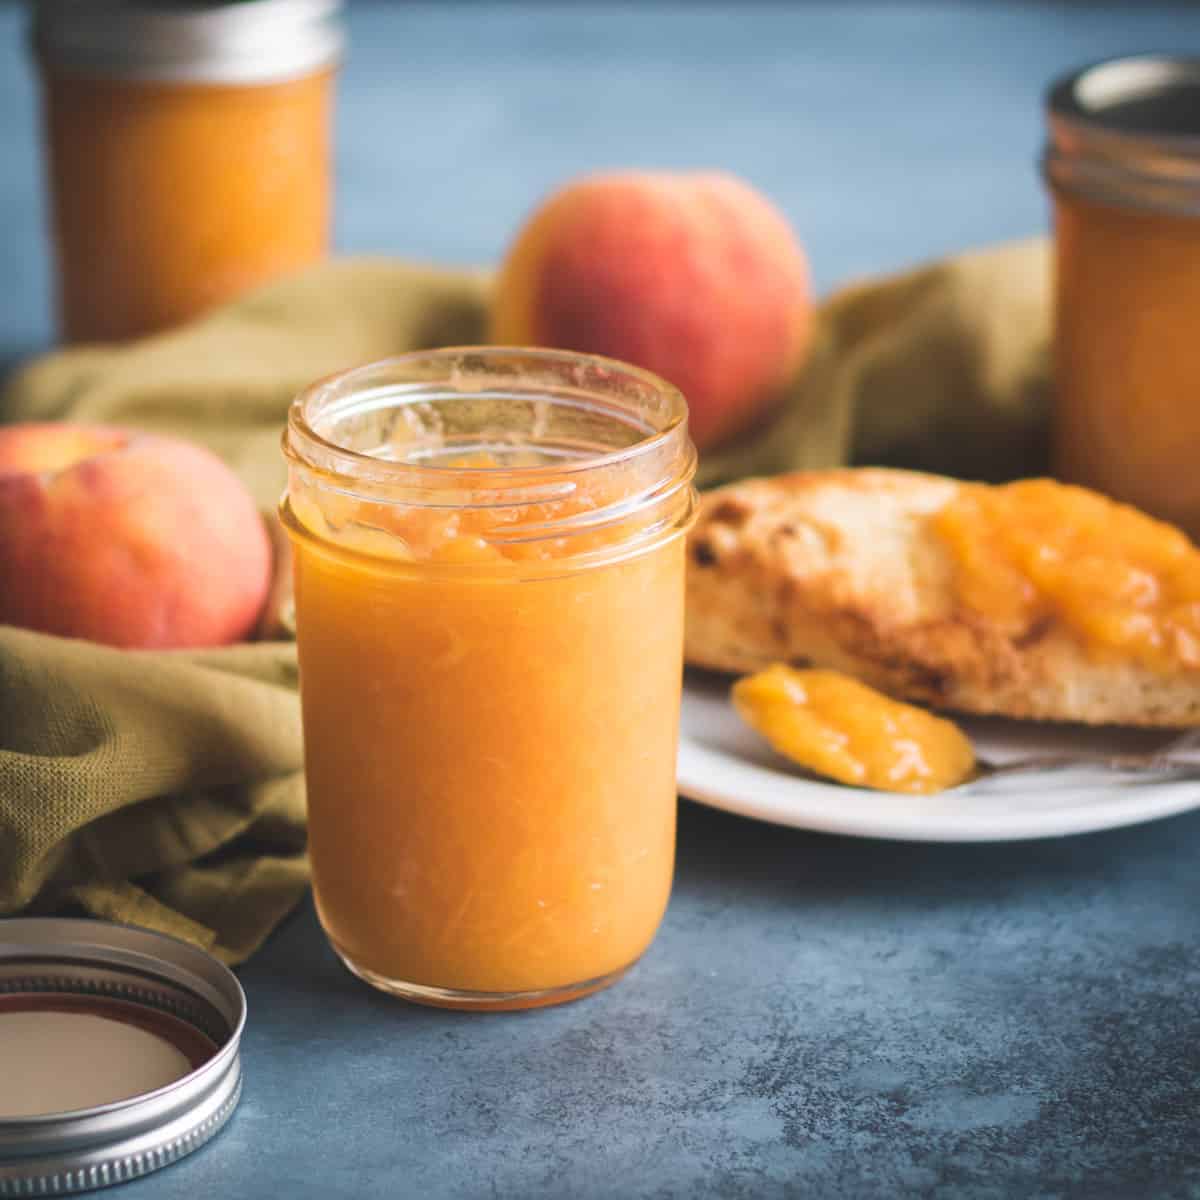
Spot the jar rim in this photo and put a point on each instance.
(373, 467)
(1093, 94)
(1114, 135)
(635, 494)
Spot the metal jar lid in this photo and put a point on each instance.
(159, 1023)
(254, 41)
(1127, 133)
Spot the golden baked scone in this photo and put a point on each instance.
(861, 570)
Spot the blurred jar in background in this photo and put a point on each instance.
(1123, 162)
(187, 152)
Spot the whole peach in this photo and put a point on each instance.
(126, 538)
(696, 277)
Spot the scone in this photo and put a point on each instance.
(862, 570)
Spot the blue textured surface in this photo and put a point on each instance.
(819, 1016)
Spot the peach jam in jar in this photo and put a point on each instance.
(489, 569)
(187, 153)
(1123, 163)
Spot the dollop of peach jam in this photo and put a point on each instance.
(1034, 552)
(841, 728)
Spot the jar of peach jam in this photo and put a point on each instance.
(1123, 162)
(187, 152)
(489, 568)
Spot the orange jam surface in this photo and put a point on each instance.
(490, 734)
(836, 726)
(169, 198)
(1125, 584)
(1127, 375)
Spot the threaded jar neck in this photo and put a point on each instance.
(252, 42)
(539, 456)
(1127, 133)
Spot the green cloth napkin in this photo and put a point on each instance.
(163, 789)
(166, 788)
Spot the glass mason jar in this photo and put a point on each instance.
(1123, 163)
(489, 571)
(187, 152)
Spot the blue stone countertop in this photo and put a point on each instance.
(819, 1016)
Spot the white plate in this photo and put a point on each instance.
(725, 764)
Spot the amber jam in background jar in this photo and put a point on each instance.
(489, 569)
(1123, 162)
(187, 152)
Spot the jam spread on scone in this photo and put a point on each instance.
(1125, 584)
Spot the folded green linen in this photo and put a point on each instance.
(166, 788)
